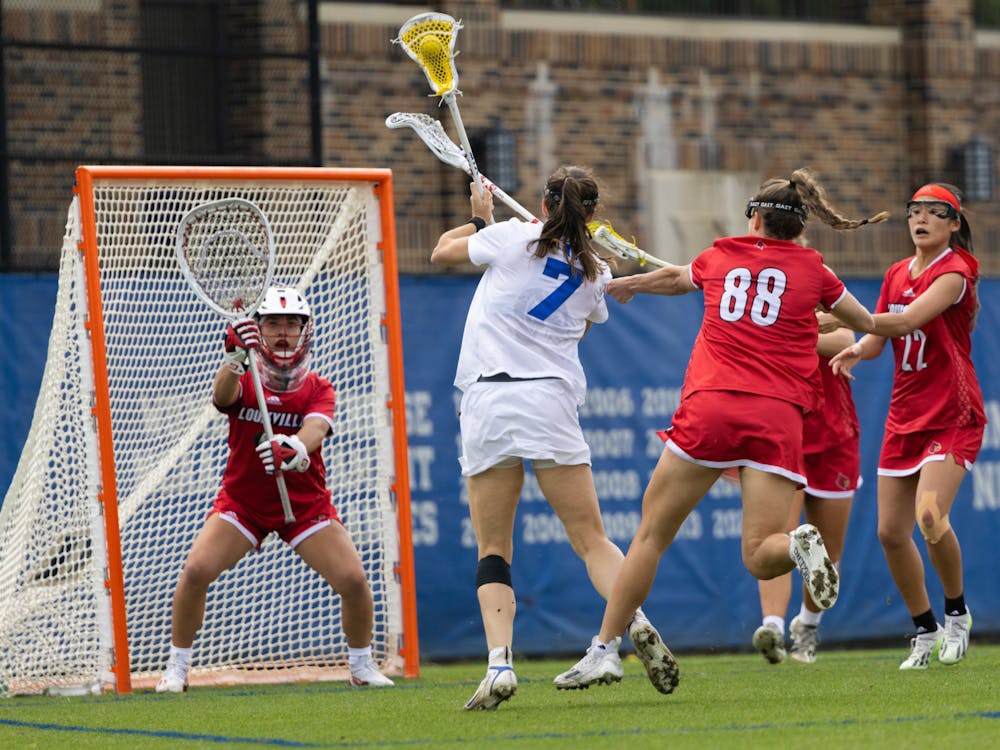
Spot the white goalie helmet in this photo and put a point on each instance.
(284, 369)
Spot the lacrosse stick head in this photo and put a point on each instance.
(284, 360)
(604, 235)
(429, 40)
(226, 252)
(431, 132)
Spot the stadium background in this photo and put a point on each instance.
(677, 112)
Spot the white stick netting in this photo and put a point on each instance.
(270, 618)
(225, 248)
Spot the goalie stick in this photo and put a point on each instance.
(226, 252)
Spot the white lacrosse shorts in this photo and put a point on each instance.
(533, 419)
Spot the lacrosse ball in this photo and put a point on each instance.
(430, 48)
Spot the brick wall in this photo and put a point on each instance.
(873, 119)
(874, 110)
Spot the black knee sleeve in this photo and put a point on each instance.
(493, 569)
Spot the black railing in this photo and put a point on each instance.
(195, 86)
(800, 10)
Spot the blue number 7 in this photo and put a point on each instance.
(554, 269)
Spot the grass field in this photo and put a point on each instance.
(853, 699)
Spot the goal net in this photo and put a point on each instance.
(125, 451)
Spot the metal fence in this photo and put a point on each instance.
(189, 82)
(987, 12)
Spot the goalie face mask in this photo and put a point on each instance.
(286, 337)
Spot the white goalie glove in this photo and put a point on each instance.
(286, 451)
(242, 334)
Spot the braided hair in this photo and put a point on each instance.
(784, 205)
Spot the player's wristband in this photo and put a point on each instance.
(477, 222)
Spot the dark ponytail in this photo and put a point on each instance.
(570, 198)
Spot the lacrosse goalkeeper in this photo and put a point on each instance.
(752, 376)
(522, 384)
(248, 507)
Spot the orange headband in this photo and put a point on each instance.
(937, 193)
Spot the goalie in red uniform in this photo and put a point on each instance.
(248, 506)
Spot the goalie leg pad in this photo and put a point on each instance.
(933, 524)
(493, 569)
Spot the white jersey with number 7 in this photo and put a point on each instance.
(528, 313)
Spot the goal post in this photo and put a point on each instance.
(125, 452)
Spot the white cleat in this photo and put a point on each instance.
(769, 643)
(819, 573)
(600, 665)
(923, 648)
(367, 675)
(956, 638)
(805, 638)
(174, 679)
(499, 685)
(661, 666)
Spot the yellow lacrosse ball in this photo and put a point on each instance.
(431, 48)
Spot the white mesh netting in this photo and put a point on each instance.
(270, 618)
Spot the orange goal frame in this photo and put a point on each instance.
(381, 181)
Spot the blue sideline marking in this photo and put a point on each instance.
(157, 735)
(417, 741)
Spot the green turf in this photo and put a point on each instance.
(851, 698)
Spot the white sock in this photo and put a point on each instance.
(778, 622)
(808, 617)
(500, 656)
(358, 657)
(611, 645)
(181, 656)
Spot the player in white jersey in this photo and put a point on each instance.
(248, 506)
(522, 384)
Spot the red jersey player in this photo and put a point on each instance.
(934, 430)
(248, 507)
(831, 448)
(752, 376)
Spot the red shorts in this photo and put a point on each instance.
(255, 528)
(721, 429)
(905, 453)
(834, 472)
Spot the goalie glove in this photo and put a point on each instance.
(242, 334)
(287, 451)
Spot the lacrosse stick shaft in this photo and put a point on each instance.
(464, 138)
(265, 417)
(505, 198)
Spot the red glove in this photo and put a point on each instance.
(242, 334)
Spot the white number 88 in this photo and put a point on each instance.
(766, 303)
